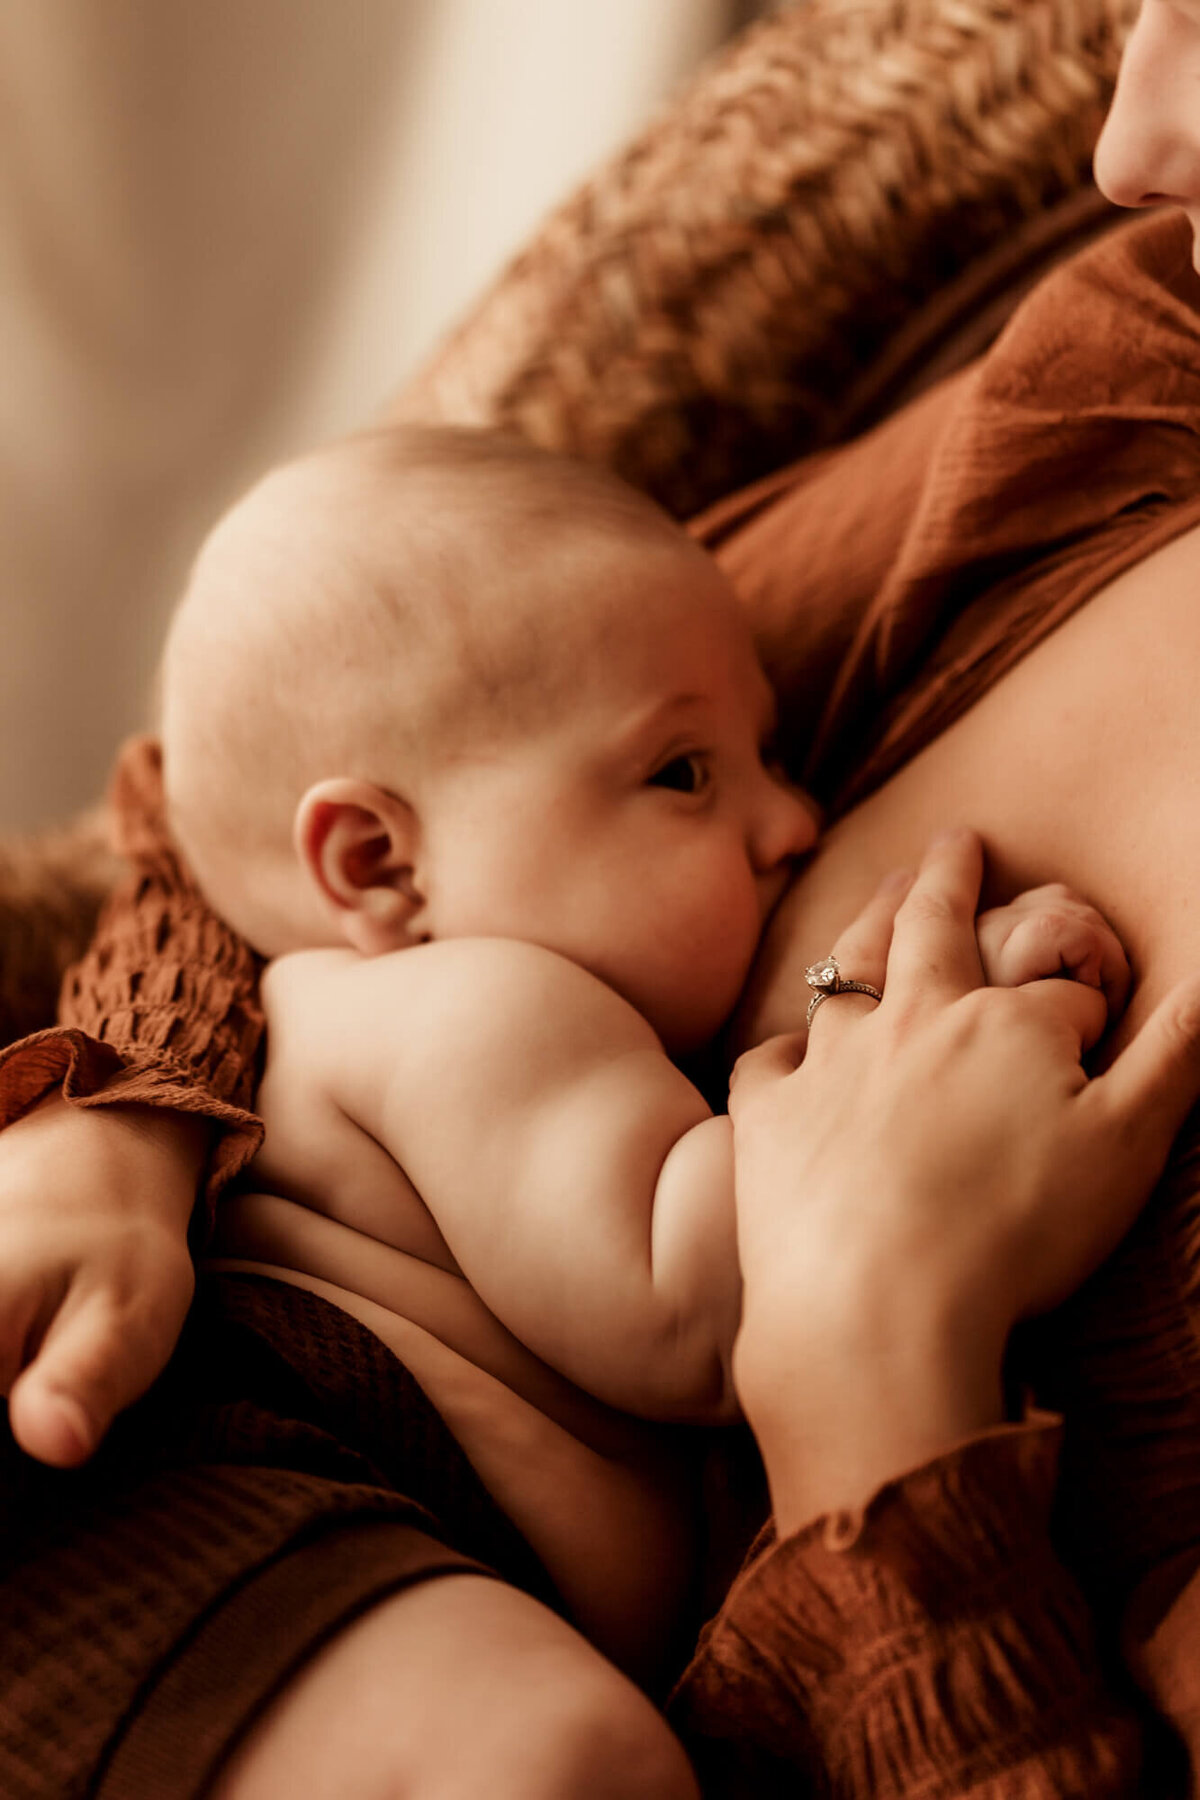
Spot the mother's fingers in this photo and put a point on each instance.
(935, 954)
(767, 1062)
(1155, 1081)
(1081, 1009)
(862, 948)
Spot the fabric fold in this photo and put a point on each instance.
(935, 1643)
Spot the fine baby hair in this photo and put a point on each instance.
(402, 596)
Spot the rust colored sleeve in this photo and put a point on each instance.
(933, 1645)
(163, 1010)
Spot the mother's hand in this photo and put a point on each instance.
(95, 1274)
(937, 1167)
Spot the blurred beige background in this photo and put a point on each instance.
(229, 228)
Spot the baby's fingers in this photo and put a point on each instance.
(1027, 942)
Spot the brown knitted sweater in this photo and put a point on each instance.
(937, 1645)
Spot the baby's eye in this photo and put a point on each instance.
(683, 774)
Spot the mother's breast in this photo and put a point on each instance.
(1082, 765)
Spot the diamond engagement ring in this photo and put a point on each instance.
(826, 979)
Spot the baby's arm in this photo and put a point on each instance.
(579, 1180)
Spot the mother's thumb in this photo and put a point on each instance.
(1155, 1081)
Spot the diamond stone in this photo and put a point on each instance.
(823, 975)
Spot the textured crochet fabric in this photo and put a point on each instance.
(719, 298)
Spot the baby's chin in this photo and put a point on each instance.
(774, 997)
(685, 1040)
(692, 1030)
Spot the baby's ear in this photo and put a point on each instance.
(358, 845)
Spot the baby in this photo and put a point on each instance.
(475, 742)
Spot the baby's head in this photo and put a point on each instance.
(434, 683)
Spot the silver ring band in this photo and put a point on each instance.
(827, 981)
(847, 987)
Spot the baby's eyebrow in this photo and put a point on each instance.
(659, 715)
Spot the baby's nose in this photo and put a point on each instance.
(790, 825)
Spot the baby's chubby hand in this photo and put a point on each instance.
(1050, 931)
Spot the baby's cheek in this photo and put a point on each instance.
(709, 977)
(744, 937)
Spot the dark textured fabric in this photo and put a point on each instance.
(244, 1651)
(163, 1009)
(958, 1554)
(284, 1452)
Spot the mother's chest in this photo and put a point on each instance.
(1081, 765)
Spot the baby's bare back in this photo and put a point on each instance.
(353, 1102)
(598, 1495)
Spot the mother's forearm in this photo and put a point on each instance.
(845, 1392)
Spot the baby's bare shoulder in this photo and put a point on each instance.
(502, 989)
(495, 964)
(513, 1008)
